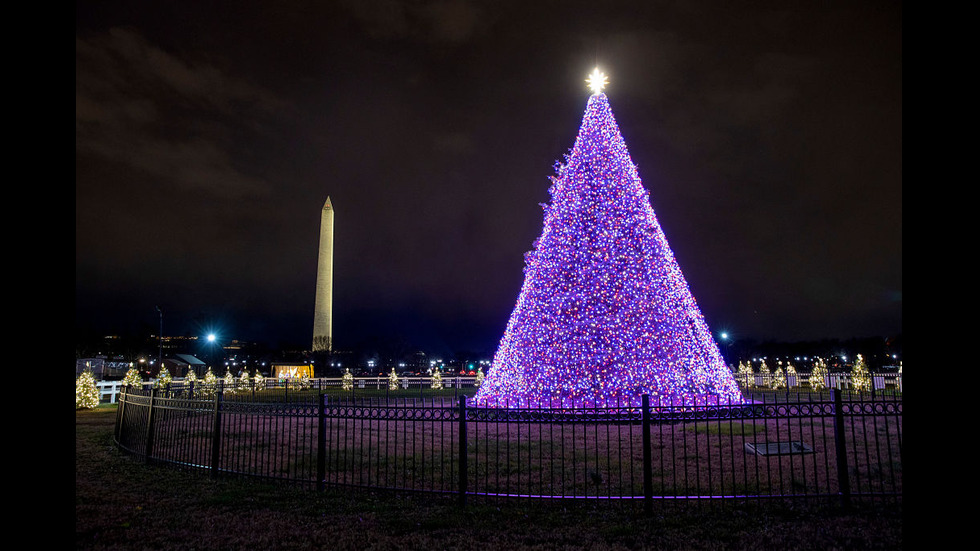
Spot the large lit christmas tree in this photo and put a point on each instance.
(605, 314)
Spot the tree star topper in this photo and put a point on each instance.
(597, 80)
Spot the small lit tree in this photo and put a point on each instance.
(791, 378)
(229, 382)
(210, 386)
(860, 376)
(745, 373)
(765, 374)
(347, 381)
(243, 380)
(86, 393)
(133, 378)
(191, 377)
(393, 380)
(163, 378)
(437, 380)
(779, 380)
(258, 380)
(479, 377)
(818, 377)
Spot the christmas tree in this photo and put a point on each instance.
(745, 376)
(860, 376)
(229, 382)
(164, 379)
(86, 392)
(765, 374)
(605, 314)
(437, 380)
(133, 379)
(779, 380)
(243, 380)
(819, 375)
(210, 385)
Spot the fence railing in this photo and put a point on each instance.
(830, 445)
(109, 390)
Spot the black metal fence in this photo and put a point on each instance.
(829, 445)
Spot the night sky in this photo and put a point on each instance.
(209, 134)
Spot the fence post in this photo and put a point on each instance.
(840, 446)
(149, 427)
(647, 457)
(216, 432)
(321, 448)
(462, 451)
(121, 413)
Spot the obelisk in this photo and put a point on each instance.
(323, 306)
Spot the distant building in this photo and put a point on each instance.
(102, 368)
(180, 364)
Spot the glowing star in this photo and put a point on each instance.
(597, 80)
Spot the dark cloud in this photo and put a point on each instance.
(208, 137)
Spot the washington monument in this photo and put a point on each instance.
(323, 307)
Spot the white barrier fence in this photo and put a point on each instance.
(840, 381)
(109, 390)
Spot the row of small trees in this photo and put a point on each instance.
(860, 374)
(347, 381)
(87, 393)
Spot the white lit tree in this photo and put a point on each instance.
(479, 377)
(243, 380)
(818, 377)
(437, 380)
(229, 382)
(393, 380)
(86, 393)
(860, 376)
(133, 378)
(791, 377)
(191, 378)
(210, 386)
(258, 380)
(347, 381)
(163, 378)
(778, 381)
(745, 373)
(765, 373)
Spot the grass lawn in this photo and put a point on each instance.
(121, 503)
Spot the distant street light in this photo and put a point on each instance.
(728, 346)
(211, 339)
